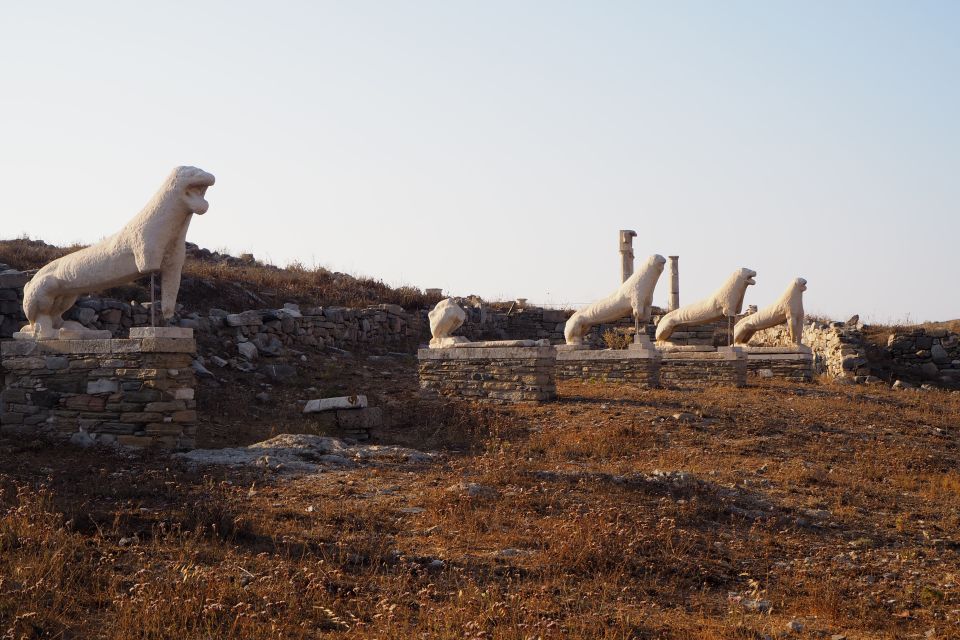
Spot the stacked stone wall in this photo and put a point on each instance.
(839, 350)
(610, 365)
(494, 374)
(925, 355)
(11, 301)
(133, 392)
(702, 369)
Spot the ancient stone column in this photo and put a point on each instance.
(674, 270)
(626, 253)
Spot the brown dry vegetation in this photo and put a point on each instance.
(837, 506)
(237, 284)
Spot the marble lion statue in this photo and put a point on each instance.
(789, 309)
(153, 241)
(725, 301)
(445, 318)
(634, 296)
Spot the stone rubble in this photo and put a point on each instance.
(303, 453)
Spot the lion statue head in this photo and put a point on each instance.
(192, 183)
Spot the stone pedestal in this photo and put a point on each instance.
(133, 392)
(493, 374)
(701, 365)
(635, 365)
(793, 362)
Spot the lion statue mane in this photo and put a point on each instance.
(725, 301)
(788, 308)
(634, 295)
(155, 240)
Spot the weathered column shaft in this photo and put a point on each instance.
(674, 269)
(626, 253)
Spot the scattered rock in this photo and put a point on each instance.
(200, 370)
(248, 350)
(472, 490)
(304, 453)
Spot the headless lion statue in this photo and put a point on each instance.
(725, 301)
(789, 309)
(153, 241)
(634, 295)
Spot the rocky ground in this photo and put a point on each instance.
(807, 511)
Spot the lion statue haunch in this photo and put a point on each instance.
(155, 240)
(445, 318)
(789, 309)
(725, 301)
(635, 296)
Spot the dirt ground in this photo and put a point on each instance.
(779, 510)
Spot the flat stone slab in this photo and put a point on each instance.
(667, 347)
(67, 334)
(161, 332)
(340, 402)
(781, 357)
(607, 354)
(490, 353)
(493, 344)
(798, 348)
(19, 348)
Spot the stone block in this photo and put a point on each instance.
(329, 404)
(168, 345)
(369, 418)
(162, 332)
(102, 385)
(245, 319)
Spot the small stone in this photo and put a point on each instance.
(795, 626)
(200, 370)
(263, 397)
(218, 361)
(248, 350)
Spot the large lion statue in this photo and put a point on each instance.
(789, 309)
(725, 301)
(635, 296)
(153, 241)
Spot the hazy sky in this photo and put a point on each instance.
(497, 147)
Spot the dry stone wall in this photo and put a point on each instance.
(11, 301)
(925, 355)
(839, 350)
(133, 392)
(500, 375)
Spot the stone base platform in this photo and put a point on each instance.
(702, 365)
(135, 392)
(493, 374)
(789, 362)
(640, 367)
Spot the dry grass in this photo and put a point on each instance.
(838, 507)
(237, 284)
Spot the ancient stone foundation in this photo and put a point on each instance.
(791, 363)
(612, 365)
(135, 392)
(494, 374)
(703, 366)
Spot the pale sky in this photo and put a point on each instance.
(497, 147)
